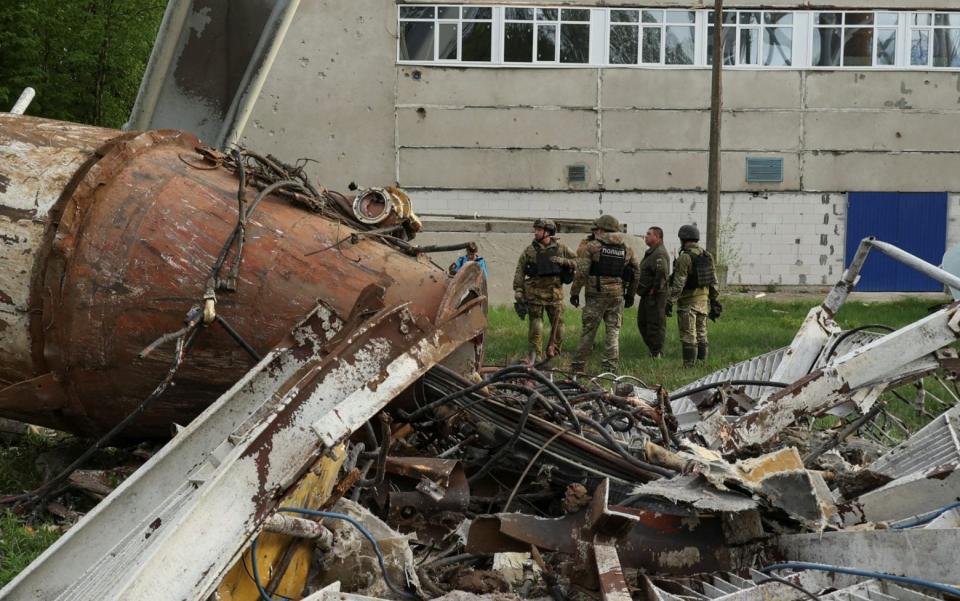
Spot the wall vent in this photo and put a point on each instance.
(576, 174)
(760, 170)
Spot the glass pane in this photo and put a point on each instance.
(652, 16)
(651, 45)
(678, 46)
(859, 18)
(857, 47)
(477, 42)
(574, 43)
(519, 14)
(518, 42)
(777, 46)
(547, 43)
(546, 14)
(624, 16)
(749, 51)
(920, 48)
(826, 47)
(888, 19)
(416, 40)
(946, 47)
(947, 19)
(749, 17)
(624, 44)
(886, 47)
(477, 13)
(729, 46)
(416, 12)
(681, 16)
(729, 16)
(575, 14)
(829, 19)
(921, 19)
(447, 42)
(778, 18)
(448, 12)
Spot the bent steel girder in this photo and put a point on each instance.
(172, 530)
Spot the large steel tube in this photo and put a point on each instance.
(108, 239)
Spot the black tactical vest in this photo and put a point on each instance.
(543, 266)
(702, 274)
(612, 260)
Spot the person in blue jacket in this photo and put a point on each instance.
(473, 254)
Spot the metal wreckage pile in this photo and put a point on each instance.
(351, 445)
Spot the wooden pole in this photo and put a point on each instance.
(713, 170)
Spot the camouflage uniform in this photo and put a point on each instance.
(604, 299)
(653, 288)
(542, 294)
(692, 305)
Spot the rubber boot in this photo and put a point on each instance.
(689, 355)
(703, 351)
(657, 355)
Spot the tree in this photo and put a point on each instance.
(84, 57)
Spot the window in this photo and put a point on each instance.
(754, 38)
(854, 39)
(543, 36)
(943, 30)
(446, 33)
(546, 35)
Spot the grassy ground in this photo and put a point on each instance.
(748, 327)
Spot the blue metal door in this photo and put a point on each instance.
(914, 221)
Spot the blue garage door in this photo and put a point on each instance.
(914, 221)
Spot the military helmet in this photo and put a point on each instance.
(689, 232)
(607, 223)
(546, 224)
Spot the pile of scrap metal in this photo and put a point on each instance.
(350, 444)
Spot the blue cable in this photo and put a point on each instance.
(799, 565)
(925, 519)
(264, 596)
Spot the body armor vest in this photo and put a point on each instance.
(701, 274)
(612, 260)
(543, 266)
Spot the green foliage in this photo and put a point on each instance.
(84, 58)
(21, 543)
(749, 327)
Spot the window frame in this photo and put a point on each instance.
(804, 28)
(874, 26)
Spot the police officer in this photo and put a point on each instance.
(542, 269)
(693, 290)
(654, 290)
(605, 265)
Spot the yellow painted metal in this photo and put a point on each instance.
(310, 492)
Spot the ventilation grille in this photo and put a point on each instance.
(576, 174)
(764, 170)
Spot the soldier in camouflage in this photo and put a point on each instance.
(654, 290)
(542, 269)
(693, 290)
(605, 265)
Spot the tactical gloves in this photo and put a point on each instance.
(575, 300)
(715, 310)
(521, 308)
(669, 310)
(628, 300)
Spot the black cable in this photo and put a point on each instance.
(656, 469)
(521, 424)
(848, 333)
(686, 393)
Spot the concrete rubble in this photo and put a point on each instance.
(365, 451)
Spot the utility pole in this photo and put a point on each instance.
(713, 169)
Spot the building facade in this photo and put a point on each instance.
(837, 122)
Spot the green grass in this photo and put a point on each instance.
(748, 328)
(20, 543)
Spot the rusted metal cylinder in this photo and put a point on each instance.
(107, 239)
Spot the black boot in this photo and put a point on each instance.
(703, 351)
(689, 355)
